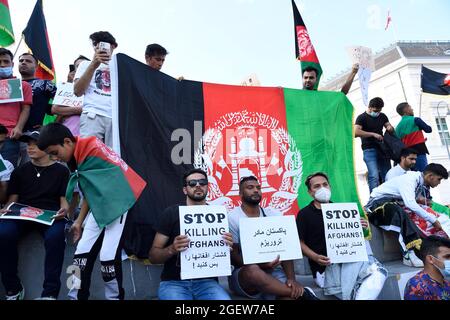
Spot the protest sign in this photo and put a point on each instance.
(364, 57)
(343, 233)
(11, 90)
(208, 255)
(65, 97)
(19, 211)
(445, 223)
(263, 239)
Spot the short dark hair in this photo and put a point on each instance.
(310, 69)
(81, 57)
(245, 179)
(31, 55)
(103, 36)
(376, 103)
(407, 151)
(155, 49)
(437, 169)
(53, 134)
(401, 108)
(3, 129)
(430, 246)
(311, 176)
(192, 171)
(4, 51)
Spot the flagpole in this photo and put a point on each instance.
(420, 104)
(403, 88)
(18, 45)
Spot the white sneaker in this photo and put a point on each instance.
(410, 259)
(320, 279)
(18, 296)
(45, 298)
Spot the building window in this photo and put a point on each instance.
(442, 127)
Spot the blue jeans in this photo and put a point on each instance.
(377, 165)
(421, 162)
(55, 244)
(10, 151)
(198, 289)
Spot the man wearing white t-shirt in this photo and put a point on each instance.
(92, 80)
(408, 159)
(267, 281)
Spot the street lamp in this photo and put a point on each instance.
(442, 127)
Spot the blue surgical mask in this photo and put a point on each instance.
(446, 270)
(374, 114)
(6, 72)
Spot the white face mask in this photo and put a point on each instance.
(323, 195)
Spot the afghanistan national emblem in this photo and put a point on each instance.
(305, 46)
(242, 144)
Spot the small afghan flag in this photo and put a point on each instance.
(36, 38)
(304, 50)
(110, 186)
(435, 82)
(6, 30)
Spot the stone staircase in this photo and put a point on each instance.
(141, 282)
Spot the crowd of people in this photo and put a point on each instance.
(38, 161)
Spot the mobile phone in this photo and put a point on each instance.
(71, 68)
(104, 47)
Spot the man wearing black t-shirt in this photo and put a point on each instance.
(369, 127)
(40, 183)
(311, 232)
(168, 245)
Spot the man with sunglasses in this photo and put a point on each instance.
(168, 244)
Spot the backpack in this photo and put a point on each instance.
(392, 146)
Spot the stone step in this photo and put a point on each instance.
(141, 282)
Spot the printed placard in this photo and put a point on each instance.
(343, 233)
(65, 97)
(208, 255)
(263, 239)
(363, 56)
(19, 211)
(11, 90)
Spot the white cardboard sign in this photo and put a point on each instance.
(65, 97)
(208, 254)
(343, 233)
(263, 239)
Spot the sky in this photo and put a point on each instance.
(224, 41)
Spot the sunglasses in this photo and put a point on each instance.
(192, 183)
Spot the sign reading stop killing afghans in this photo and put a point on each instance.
(208, 255)
(263, 239)
(343, 233)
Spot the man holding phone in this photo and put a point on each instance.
(92, 79)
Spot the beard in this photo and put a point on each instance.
(194, 196)
(252, 200)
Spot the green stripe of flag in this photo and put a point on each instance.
(6, 30)
(321, 124)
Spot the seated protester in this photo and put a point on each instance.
(264, 280)
(408, 159)
(40, 183)
(169, 244)
(432, 283)
(344, 280)
(393, 207)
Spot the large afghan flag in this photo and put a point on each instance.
(36, 38)
(110, 186)
(278, 135)
(304, 49)
(6, 30)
